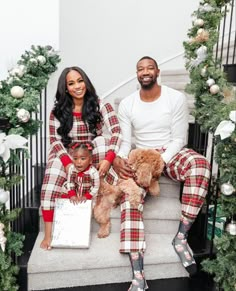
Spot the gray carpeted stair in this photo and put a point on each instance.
(102, 263)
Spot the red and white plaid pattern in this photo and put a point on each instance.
(187, 166)
(83, 182)
(55, 175)
(194, 170)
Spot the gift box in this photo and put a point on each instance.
(71, 224)
(219, 222)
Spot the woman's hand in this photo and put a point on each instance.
(103, 168)
(122, 168)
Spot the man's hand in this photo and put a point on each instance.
(122, 168)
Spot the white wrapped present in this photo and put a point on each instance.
(71, 224)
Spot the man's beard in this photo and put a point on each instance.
(147, 86)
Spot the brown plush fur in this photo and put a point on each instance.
(147, 165)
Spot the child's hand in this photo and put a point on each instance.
(74, 199)
(103, 168)
(82, 199)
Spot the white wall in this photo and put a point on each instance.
(23, 23)
(107, 37)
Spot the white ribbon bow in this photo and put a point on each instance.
(226, 127)
(12, 141)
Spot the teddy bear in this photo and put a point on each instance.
(147, 166)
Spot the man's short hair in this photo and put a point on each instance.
(149, 58)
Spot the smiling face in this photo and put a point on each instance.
(147, 73)
(75, 85)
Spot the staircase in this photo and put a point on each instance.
(102, 263)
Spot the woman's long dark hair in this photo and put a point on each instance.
(63, 107)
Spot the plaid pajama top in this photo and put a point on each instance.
(59, 158)
(84, 183)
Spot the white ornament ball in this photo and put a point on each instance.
(200, 30)
(210, 82)
(199, 22)
(42, 60)
(214, 89)
(231, 228)
(4, 196)
(0, 85)
(227, 189)
(23, 115)
(33, 61)
(17, 92)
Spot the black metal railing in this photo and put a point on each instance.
(26, 195)
(201, 142)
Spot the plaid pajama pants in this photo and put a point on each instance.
(187, 166)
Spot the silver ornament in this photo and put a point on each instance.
(23, 115)
(231, 227)
(42, 60)
(227, 189)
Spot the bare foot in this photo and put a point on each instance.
(45, 244)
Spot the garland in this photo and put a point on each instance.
(19, 100)
(215, 112)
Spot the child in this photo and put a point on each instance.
(83, 178)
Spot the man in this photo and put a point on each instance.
(157, 117)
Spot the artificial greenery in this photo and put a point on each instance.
(212, 106)
(30, 75)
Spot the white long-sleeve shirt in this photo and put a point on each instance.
(161, 124)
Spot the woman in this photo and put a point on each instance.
(78, 115)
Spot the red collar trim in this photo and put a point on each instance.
(80, 174)
(78, 114)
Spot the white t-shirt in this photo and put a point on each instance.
(161, 124)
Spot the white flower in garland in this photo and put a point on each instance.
(18, 71)
(206, 8)
(201, 56)
(12, 141)
(23, 115)
(226, 127)
(2, 237)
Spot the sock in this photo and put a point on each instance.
(182, 248)
(138, 281)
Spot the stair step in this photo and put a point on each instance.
(161, 214)
(100, 264)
